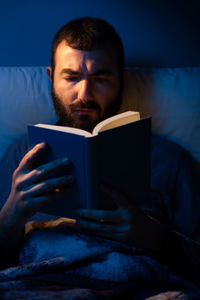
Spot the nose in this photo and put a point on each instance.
(85, 90)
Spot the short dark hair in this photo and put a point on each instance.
(88, 34)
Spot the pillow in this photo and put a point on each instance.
(170, 95)
(24, 99)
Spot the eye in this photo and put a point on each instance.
(101, 78)
(71, 78)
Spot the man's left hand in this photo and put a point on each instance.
(127, 224)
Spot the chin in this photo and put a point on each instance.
(86, 123)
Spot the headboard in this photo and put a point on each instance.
(170, 95)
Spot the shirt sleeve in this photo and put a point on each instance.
(8, 164)
(185, 207)
(176, 175)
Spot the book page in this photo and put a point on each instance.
(115, 121)
(66, 129)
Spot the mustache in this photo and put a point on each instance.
(81, 105)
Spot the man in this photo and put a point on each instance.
(87, 76)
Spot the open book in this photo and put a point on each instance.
(117, 152)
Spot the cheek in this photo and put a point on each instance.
(66, 93)
(106, 96)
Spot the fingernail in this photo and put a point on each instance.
(43, 144)
(40, 145)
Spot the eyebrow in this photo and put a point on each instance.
(96, 73)
(69, 71)
(102, 72)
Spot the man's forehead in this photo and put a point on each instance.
(97, 59)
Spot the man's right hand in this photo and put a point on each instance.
(31, 187)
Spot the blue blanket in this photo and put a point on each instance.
(52, 251)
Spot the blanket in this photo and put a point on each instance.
(58, 262)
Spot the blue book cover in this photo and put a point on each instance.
(119, 156)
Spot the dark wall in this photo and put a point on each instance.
(155, 33)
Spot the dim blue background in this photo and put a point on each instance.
(155, 33)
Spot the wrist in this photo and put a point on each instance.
(11, 221)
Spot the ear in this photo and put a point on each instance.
(49, 72)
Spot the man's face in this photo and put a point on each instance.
(86, 86)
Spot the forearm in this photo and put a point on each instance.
(179, 252)
(11, 237)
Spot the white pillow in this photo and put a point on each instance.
(170, 95)
(24, 99)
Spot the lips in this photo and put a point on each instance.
(85, 111)
(81, 106)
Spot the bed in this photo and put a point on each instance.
(172, 97)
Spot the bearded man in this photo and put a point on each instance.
(87, 75)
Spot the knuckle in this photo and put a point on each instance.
(18, 185)
(15, 174)
(16, 181)
(39, 172)
(23, 196)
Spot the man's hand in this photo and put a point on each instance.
(127, 224)
(31, 187)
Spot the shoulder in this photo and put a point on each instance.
(170, 151)
(170, 161)
(15, 151)
(164, 153)
(167, 153)
(163, 145)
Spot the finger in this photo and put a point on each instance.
(98, 226)
(98, 214)
(30, 157)
(45, 169)
(115, 236)
(35, 203)
(118, 197)
(39, 173)
(49, 186)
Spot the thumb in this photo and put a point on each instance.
(32, 156)
(117, 196)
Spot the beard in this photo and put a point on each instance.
(86, 122)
